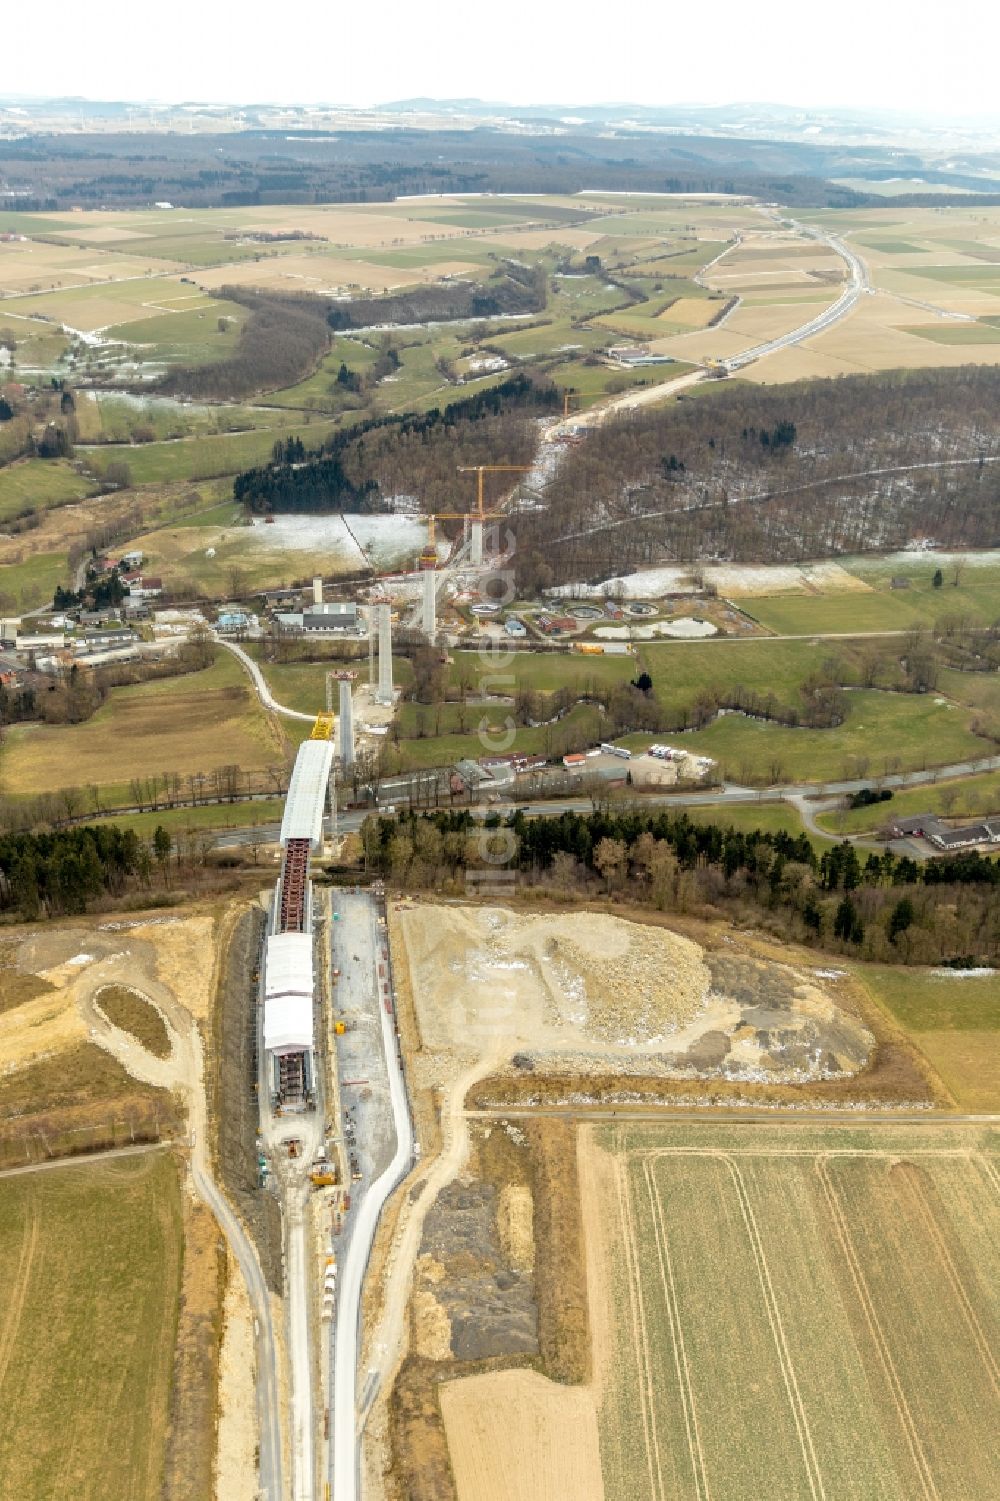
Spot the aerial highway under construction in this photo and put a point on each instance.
(335, 1132)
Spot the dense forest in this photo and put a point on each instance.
(359, 466)
(52, 874)
(884, 907)
(281, 342)
(512, 288)
(776, 474)
(112, 170)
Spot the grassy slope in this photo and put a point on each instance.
(953, 1020)
(31, 583)
(203, 457)
(40, 483)
(193, 723)
(216, 817)
(882, 610)
(86, 1392)
(773, 818)
(969, 797)
(911, 731)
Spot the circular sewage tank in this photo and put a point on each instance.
(586, 612)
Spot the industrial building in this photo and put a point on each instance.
(333, 619)
(928, 826)
(288, 976)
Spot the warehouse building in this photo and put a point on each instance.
(334, 619)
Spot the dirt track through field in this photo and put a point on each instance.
(639, 1332)
(677, 1334)
(387, 1341)
(22, 1278)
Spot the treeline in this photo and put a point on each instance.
(50, 875)
(775, 474)
(99, 866)
(512, 288)
(281, 342)
(886, 908)
(358, 466)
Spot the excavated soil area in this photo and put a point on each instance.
(591, 994)
(499, 1296)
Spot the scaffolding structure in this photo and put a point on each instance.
(294, 881)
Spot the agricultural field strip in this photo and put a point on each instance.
(815, 1480)
(881, 1343)
(640, 1332)
(947, 1261)
(684, 1383)
(22, 1277)
(645, 1158)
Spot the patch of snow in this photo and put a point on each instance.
(686, 629)
(81, 959)
(653, 583)
(962, 974)
(987, 559)
(381, 538)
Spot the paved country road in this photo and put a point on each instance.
(795, 794)
(845, 303)
(268, 1408)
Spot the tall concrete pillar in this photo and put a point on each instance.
(346, 723)
(430, 604)
(476, 554)
(384, 694)
(317, 591)
(372, 626)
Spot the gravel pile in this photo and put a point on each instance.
(626, 983)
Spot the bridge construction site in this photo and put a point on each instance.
(335, 1133)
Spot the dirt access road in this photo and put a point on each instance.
(183, 1070)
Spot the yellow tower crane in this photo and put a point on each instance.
(479, 515)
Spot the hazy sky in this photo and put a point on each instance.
(933, 57)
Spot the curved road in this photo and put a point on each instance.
(183, 1070)
(268, 1411)
(845, 303)
(260, 683)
